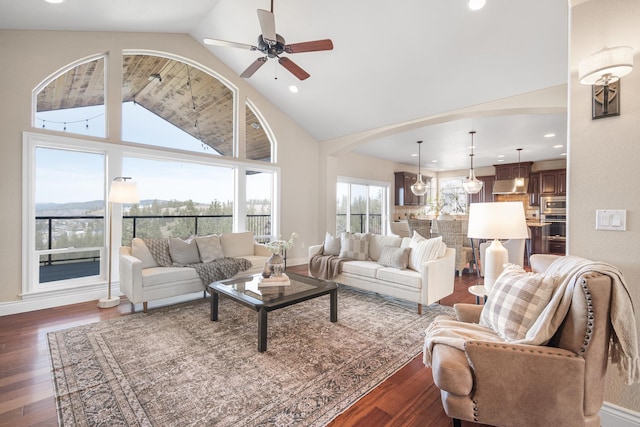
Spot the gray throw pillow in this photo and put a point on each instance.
(209, 247)
(183, 252)
(354, 246)
(394, 257)
(331, 245)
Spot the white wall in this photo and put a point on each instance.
(604, 156)
(31, 56)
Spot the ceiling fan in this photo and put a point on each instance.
(273, 45)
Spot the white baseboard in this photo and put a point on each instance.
(616, 416)
(54, 299)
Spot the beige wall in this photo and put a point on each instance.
(604, 156)
(30, 56)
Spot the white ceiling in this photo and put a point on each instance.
(393, 62)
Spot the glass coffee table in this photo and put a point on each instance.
(263, 299)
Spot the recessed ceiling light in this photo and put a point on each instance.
(54, 1)
(434, 161)
(501, 160)
(563, 154)
(549, 135)
(500, 156)
(414, 155)
(293, 89)
(476, 4)
(558, 146)
(255, 125)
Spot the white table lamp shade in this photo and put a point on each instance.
(500, 220)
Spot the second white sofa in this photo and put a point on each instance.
(376, 265)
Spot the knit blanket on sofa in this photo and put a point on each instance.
(325, 266)
(220, 269)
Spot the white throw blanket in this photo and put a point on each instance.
(624, 337)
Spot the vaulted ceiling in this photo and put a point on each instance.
(393, 63)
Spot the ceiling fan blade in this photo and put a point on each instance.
(312, 46)
(294, 68)
(216, 42)
(253, 67)
(268, 26)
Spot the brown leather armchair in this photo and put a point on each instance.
(560, 384)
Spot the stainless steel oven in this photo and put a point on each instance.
(553, 205)
(557, 227)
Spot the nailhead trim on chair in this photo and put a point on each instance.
(589, 325)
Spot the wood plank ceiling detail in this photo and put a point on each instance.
(184, 96)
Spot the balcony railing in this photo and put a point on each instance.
(84, 235)
(359, 222)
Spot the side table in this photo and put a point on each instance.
(480, 292)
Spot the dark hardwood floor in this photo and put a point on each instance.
(408, 398)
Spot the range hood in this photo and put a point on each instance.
(509, 186)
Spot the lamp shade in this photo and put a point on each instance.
(123, 192)
(606, 66)
(497, 220)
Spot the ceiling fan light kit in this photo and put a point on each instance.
(273, 45)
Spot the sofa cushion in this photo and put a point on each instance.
(209, 247)
(378, 241)
(391, 256)
(354, 246)
(423, 250)
(515, 301)
(160, 275)
(237, 244)
(406, 278)
(331, 245)
(140, 251)
(159, 248)
(183, 252)
(361, 268)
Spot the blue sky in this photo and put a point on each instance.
(65, 176)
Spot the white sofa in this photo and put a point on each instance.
(425, 281)
(143, 279)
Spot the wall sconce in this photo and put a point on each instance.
(603, 70)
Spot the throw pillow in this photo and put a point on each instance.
(209, 247)
(139, 250)
(515, 301)
(159, 248)
(183, 252)
(423, 250)
(391, 256)
(354, 246)
(331, 245)
(235, 245)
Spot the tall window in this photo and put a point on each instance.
(259, 196)
(361, 207)
(67, 239)
(452, 198)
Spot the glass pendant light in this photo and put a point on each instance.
(472, 185)
(419, 188)
(519, 179)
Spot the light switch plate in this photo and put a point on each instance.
(615, 220)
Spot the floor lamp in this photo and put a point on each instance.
(497, 221)
(122, 191)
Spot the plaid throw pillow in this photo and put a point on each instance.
(354, 246)
(515, 302)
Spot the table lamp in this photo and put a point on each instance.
(122, 191)
(497, 221)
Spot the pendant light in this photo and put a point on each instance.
(519, 179)
(419, 188)
(472, 185)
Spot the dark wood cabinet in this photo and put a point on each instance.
(513, 170)
(553, 182)
(539, 239)
(404, 195)
(486, 194)
(557, 247)
(534, 189)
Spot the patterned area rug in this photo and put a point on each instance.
(174, 367)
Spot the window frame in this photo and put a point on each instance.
(385, 214)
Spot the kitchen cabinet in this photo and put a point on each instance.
(403, 194)
(534, 189)
(539, 238)
(557, 247)
(513, 170)
(486, 194)
(553, 182)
